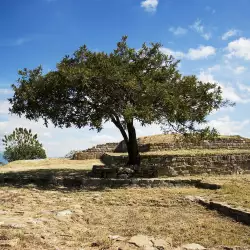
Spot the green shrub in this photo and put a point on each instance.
(21, 144)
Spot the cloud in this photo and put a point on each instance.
(14, 42)
(102, 138)
(230, 33)
(176, 54)
(239, 48)
(228, 90)
(243, 87)
(149, 5)
(178, 31)
(6, 91)
(199, 28)
(201, 52)
(4, 107)
(210, 9)
(214, 68)
(228, 127)
(239, 70)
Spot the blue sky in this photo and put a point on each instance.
(210, 37)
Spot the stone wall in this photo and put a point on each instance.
(95, 152)
(220, 143)
(189, 165)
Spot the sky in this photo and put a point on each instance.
(210, 37)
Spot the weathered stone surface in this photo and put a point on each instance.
(117, 238)
(13, 225)
(9, 243)
(192, 246)
(162, 244)
(239, 214)
(64, 213)
(154, 165)
(141, 241)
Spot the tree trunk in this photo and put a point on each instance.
(132, 146)
(130, 140)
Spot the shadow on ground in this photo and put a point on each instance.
(56, 179)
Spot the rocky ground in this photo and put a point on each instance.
(32, 218)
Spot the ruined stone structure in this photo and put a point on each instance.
(167, 165)
(234, 162)
(221, 143)
(95, 152)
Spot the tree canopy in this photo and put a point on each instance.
(90, 88)
(21, 144)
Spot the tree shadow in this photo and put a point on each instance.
(63, 180)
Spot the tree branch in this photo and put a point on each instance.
(115, 119)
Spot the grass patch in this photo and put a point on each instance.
(48, 164)
(158, 212)
(191, 152)
(171, 138)
(235, 190)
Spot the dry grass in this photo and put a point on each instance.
(161, 138)
(157, 212)
(171, 138)
(192, 152)
(49, 164)
(235, 190)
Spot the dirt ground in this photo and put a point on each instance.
(49, 164)
(36, 218)
(33, 217)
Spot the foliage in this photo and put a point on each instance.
(21, 144)
(70, 154)
(124, 86)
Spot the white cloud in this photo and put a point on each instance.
(210, 9)
(177, 54)
(14, 42)
(149, 5)
(206, 36)
(230, 33)
(228, 127)
(102, 138)
(199, 28)
(47, 134)
(206, 77)
(243, 87)
(239, 48)
(239, 70)
(4, 107)
(201, 52)
(214, 68)
(228, 90)
(178, 31)
(6, 91)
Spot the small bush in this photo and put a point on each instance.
(21, 144)
(70, 155)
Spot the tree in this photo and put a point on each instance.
(127, 85)
(70, 155)
(21, 144)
